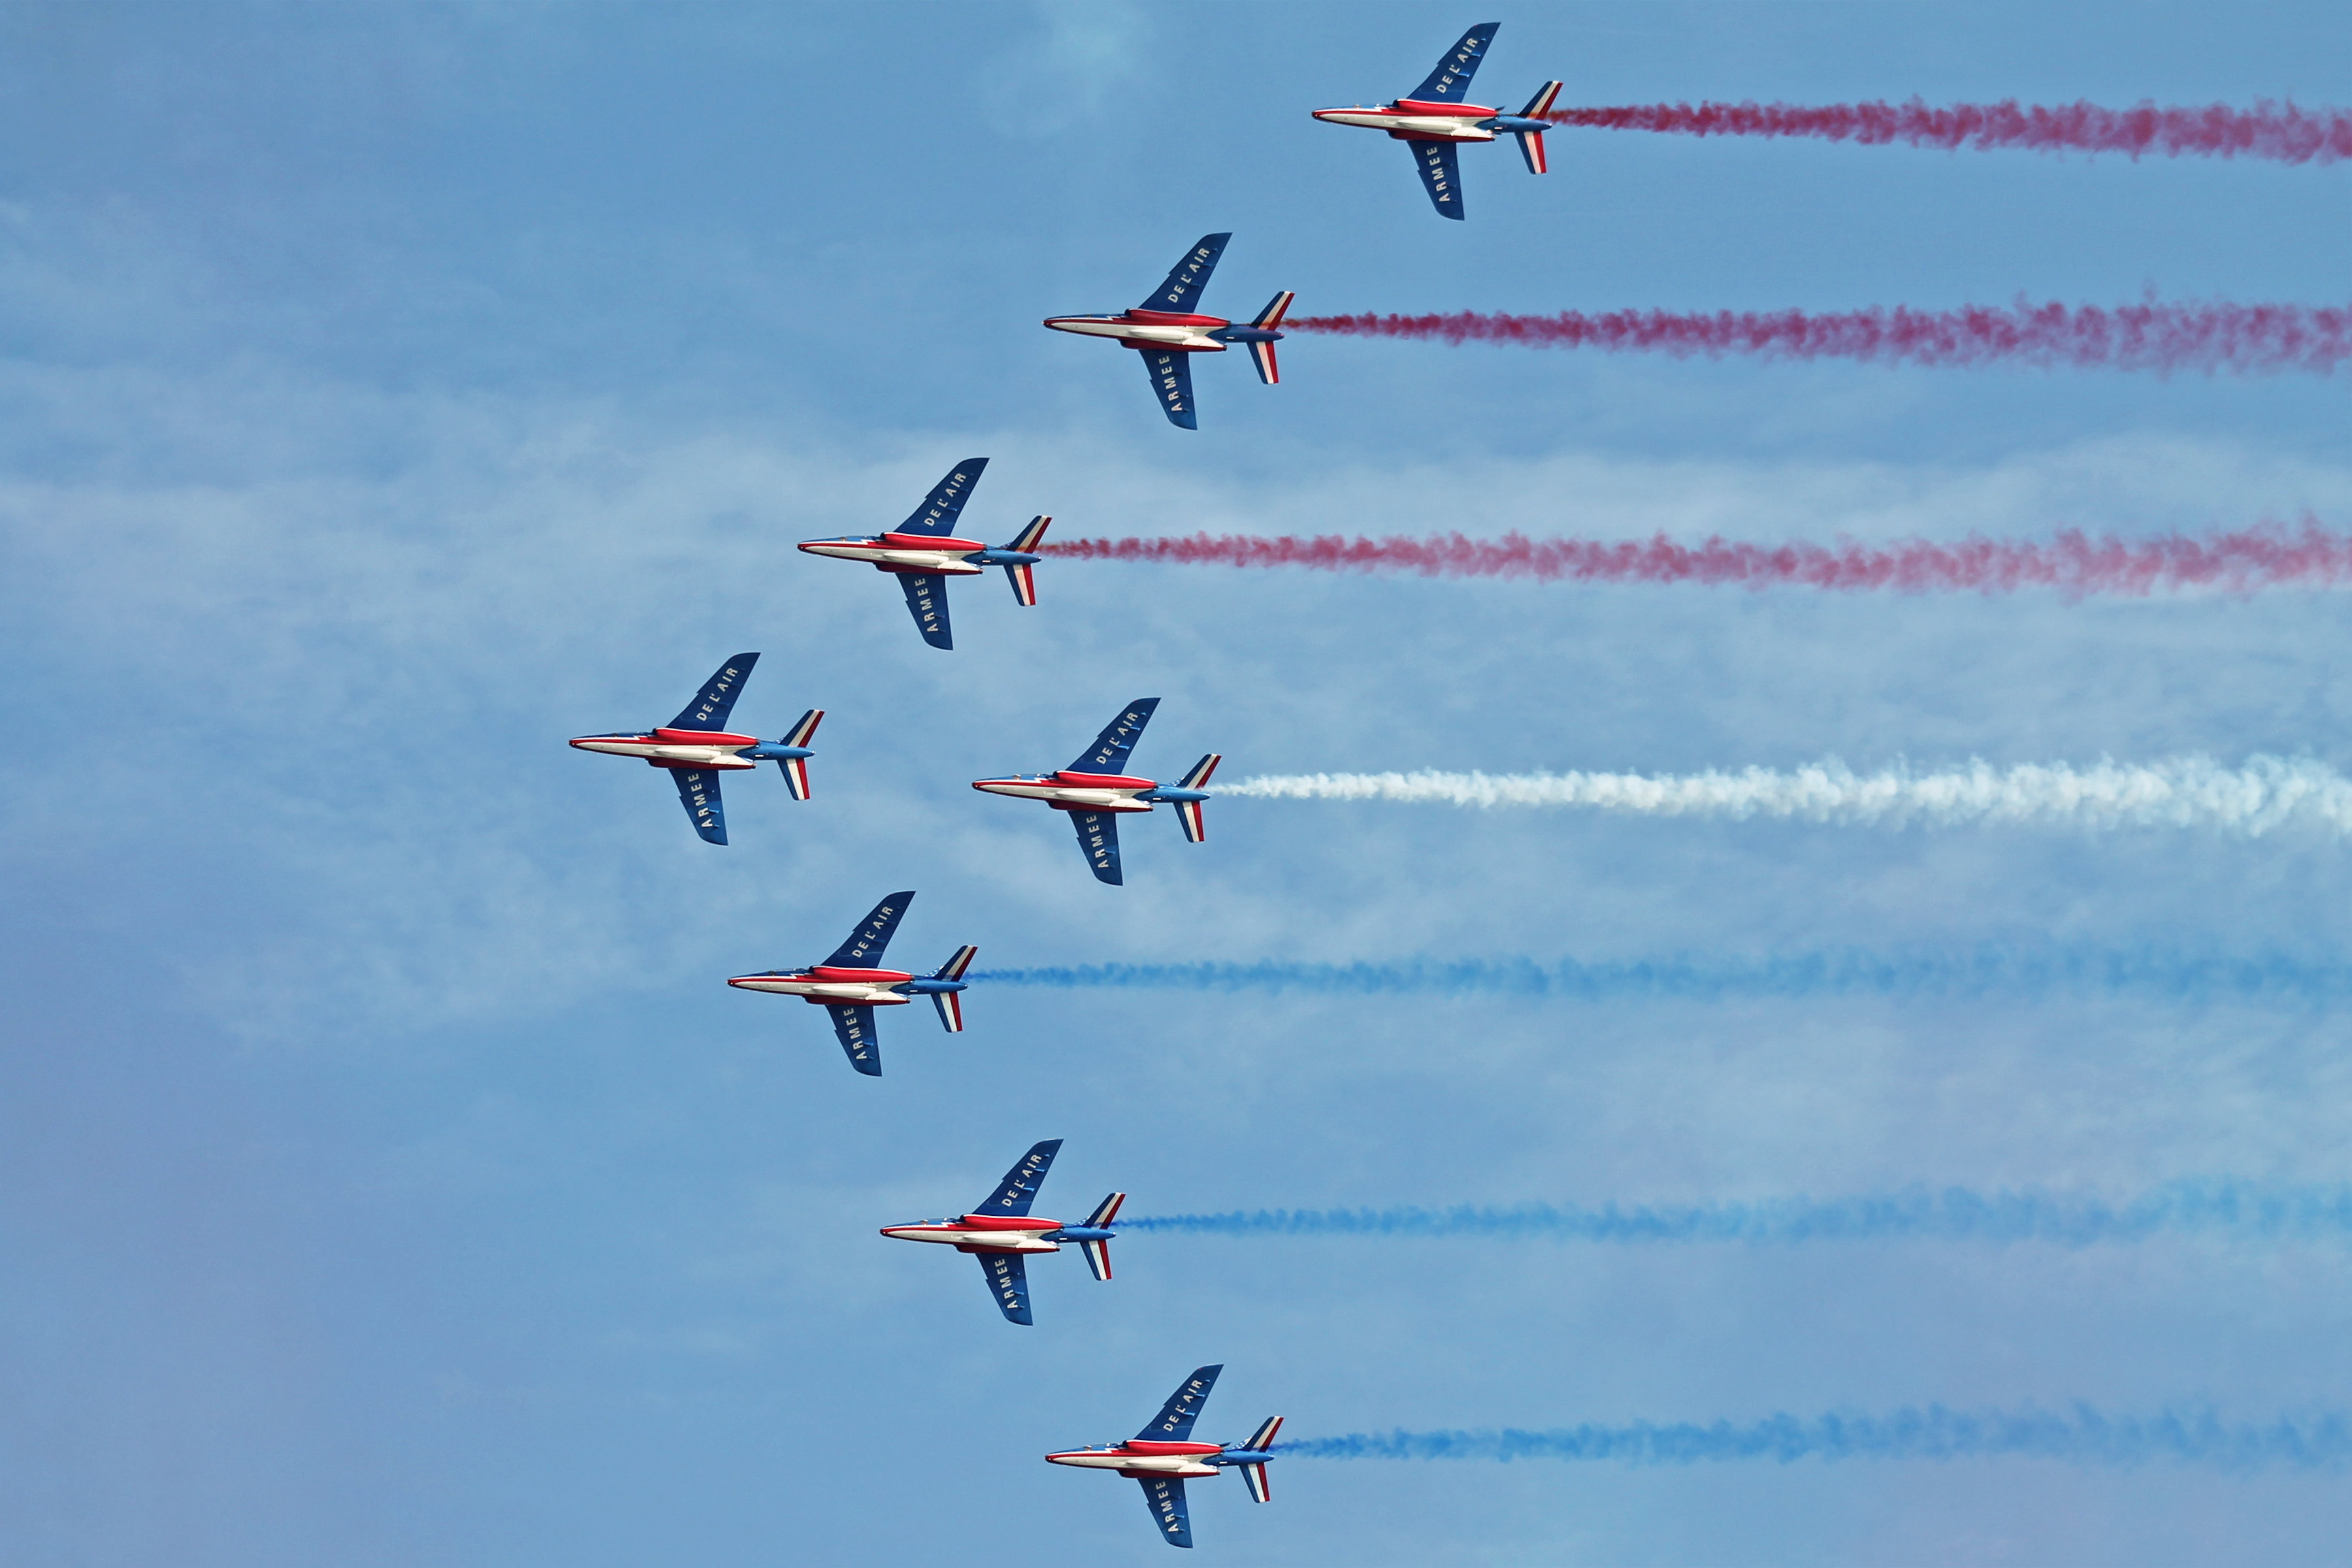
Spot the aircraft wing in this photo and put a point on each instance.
(853, 1026)
(862, 948)
(1108, 754)
(1449, 81)
(1008, 1282)
(698, 791)
(1019, 1189)
(1164, 1496)
(710, 707)
(1440, 174)
(1174, 1422)
(939, 508)
(927, 601)
(1185, 280)
(1098, 842)
(1171, 382)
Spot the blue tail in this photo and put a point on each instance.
(1174, 1422)
(1108, 754)
(1019, 1189)
(1181, 291)
(1450, 83)
(709, 710)
(864, 947)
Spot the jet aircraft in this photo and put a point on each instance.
(922, 553)
(1002, 1234)
(1163, 1456)
(1435, 121)
(1096, 793)
(696, 747)
(1166, 332)
(851, 985)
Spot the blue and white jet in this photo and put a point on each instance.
(696, 747)
(1003, 1234)
(851, 983)
(1434, 121)
(1163, 1457)
(1168, 333)
(922, 553)
(1096, 793)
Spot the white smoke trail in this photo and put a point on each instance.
(2267, 793)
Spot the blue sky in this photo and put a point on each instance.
(392, 392)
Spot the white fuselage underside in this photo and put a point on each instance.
(927, 563)
(853, 993)
(656, 750)
(987, 1240)
(1174, 337)
(1434, 126)
(1156, 1464)
(1090, 799)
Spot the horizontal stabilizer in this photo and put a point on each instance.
(1106, 1212)
(1097, 1257)
(1254, 1477)
(804, 728)
(1197, 775)
(1263, 1438)
(950, 1006)
(710, 708)
(1027, 539)
(1270, 321)
(958, 961)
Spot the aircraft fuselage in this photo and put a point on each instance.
(1068, 791)
(685, 750)
(825, 986)
(1141, 329)
(909, 554)
(1411, 120)
(1138, 1458)
(983, 1232)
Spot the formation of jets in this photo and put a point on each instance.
(1094, 791)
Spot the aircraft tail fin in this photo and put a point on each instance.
(1263, 1438)
(1188, 812)
(1023, 576)
(1531, 145)
(1254, 1476)
(1270, 321)
(950, 1003)
(1097, 1251)
(795, 769)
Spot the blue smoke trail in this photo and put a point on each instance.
(2234, 1210)
(1987, 971)
(2083, 1436)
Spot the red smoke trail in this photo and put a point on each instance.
(2071, 561)
(2152, 336)
(2278, 131)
